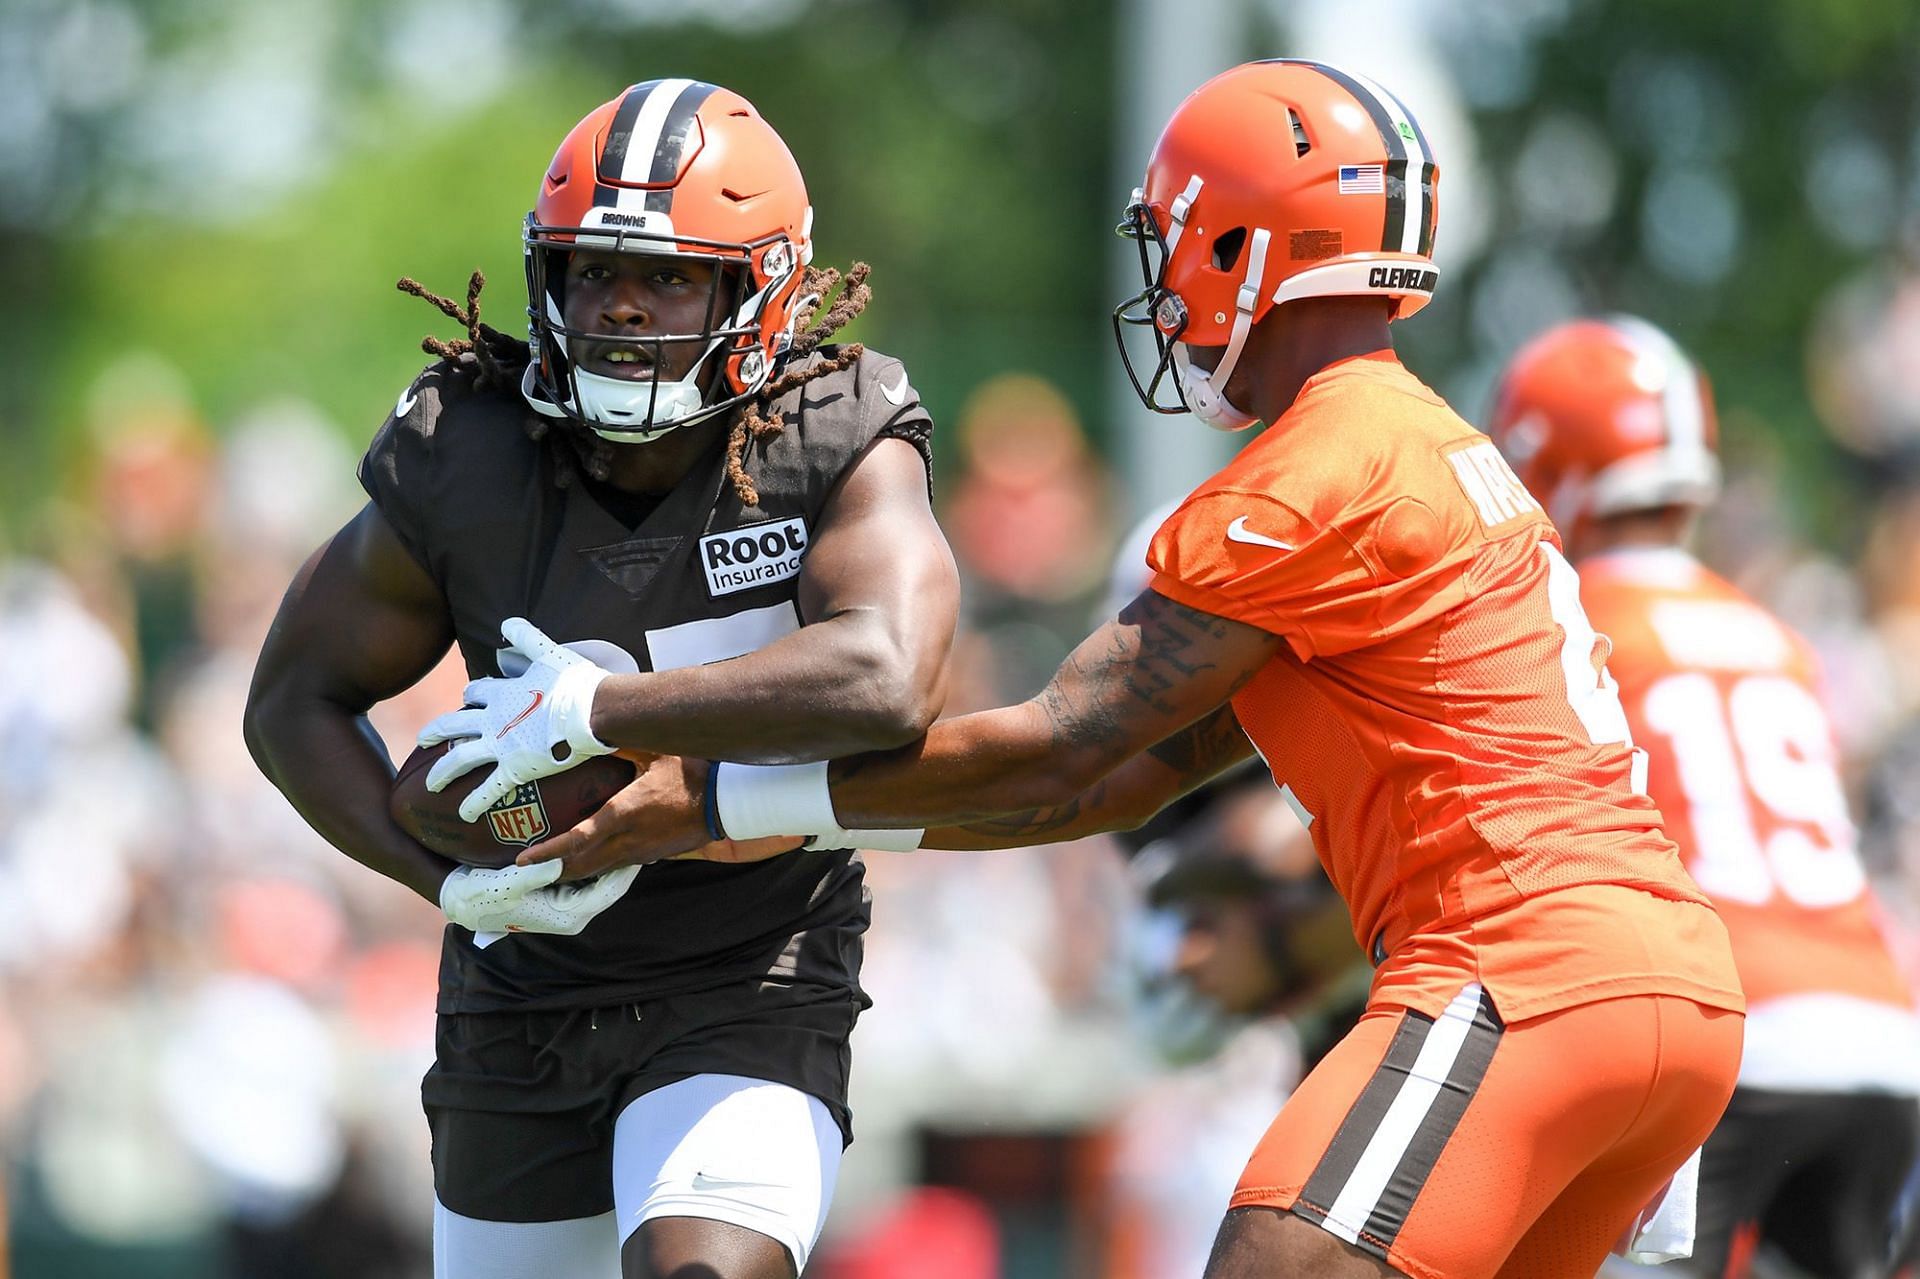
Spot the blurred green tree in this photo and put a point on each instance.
(960, 150)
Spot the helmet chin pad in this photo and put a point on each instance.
(605, 404)
(1206, 393)
(636, 412)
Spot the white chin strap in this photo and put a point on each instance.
(1206, 393)
(606, 401)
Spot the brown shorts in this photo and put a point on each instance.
(522, 1105)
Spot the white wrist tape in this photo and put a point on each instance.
(571, 699)
(757, 800)
(879, 841)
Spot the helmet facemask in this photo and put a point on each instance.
(733, 356)
(1164, 312)
(1153, 308)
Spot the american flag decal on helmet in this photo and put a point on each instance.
(1362, 179)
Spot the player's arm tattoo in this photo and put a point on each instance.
(1204, 750)
(1125, 798)
(1043, 825)
(1135, 670)
(1145, 677)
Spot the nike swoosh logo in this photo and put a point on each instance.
(1239, 532)
(404, 405)
(897, 393)
(513, 723)
(707, 1181)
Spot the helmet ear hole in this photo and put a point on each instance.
(1227, 246)
(1300, 144)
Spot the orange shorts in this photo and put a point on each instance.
(1459, 1148)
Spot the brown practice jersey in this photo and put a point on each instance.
(701, 578)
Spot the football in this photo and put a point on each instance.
(532, 813)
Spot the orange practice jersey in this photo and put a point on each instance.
(1440, 717)
(1726, 700)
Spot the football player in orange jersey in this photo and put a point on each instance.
(1369, 597)
(1613, 427)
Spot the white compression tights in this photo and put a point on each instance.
(721, 1147)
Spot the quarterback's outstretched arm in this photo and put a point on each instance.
(1003, 778)
(880, 598)
(1135, 682)
(1124, 799)
(361, 622)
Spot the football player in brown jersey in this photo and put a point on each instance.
(644, 1075)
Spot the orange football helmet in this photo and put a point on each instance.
(1273, 181)
(1604, 416)
(679, 169)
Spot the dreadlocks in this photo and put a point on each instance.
(501, 360)
(759, 422)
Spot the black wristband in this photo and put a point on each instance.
(715, 831)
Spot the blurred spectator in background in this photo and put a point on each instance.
(200, 1073)
(151, 490)
(1028, 517)
(1262, 931)
(1611, 425)
(1253, 930)
(933, 1232)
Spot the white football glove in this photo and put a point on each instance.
(525, 899)
(516, 724)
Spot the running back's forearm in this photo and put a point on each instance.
(838, 687)
(361, 621)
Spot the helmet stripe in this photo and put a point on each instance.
(639, 113)
(1680, 398)
(618, 132)
(1427, 172)
(671, 142)
(1393, 230)
(636, 148)
(1417, 237)
(646, 141)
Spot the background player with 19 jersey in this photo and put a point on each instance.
(681, 479)
(1369, 597)
(1615, 427)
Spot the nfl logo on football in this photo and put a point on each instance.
(519, 818)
